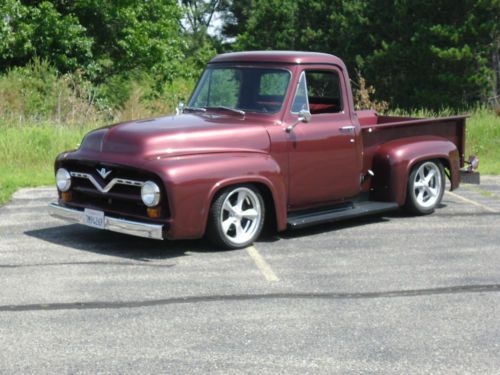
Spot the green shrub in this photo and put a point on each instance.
(142, 96)
(36, 92)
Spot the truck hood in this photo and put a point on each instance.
(185, 134)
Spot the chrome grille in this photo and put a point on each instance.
(109, 186)
(118, 195)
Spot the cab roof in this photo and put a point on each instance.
(283, 57)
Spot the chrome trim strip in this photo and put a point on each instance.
(134, 228)
(109, 186)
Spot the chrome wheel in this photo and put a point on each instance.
(427, 185)
(241, 216)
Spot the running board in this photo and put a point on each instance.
(305, 219)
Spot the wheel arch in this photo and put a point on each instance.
(394, 161)
(265, 188)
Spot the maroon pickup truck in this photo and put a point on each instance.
(266, 138)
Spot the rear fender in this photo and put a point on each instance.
(393, 161)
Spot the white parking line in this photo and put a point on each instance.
(261, 264)
(484, 207)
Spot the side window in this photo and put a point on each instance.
(319, 91)
(324, 93)
(300, 101)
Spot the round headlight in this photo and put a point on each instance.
(63, 179)
(150, 194)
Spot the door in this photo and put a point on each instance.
(323, 155)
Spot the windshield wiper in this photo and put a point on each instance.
(238, 111)
(195, 109)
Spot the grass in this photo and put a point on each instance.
(483, 140)
(27, 153)
(27, 150)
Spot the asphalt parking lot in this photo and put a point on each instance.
(394, 294)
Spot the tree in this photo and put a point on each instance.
(235, 19)
(198, 18)
(101, 37)
(29, 31)
(325, 26)
(425, 53)
(130, 35)
(431, 53)
(199, 14)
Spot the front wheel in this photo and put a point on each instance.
(425, 187)
(236, 217)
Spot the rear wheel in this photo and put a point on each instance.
(236, 217)
(425, 187)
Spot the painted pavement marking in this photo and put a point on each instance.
(484, 207)
(261, 264)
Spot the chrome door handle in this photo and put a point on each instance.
(347, 129)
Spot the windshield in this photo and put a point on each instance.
(246, 89)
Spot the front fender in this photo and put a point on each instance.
(193, 181)
(393, 161)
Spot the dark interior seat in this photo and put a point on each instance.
(323, 105)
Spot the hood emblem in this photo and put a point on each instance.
(103, 172)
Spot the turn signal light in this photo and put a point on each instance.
(66, 196)
(154, 212)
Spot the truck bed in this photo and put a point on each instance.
(377, 129)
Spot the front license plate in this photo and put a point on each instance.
(94, 218)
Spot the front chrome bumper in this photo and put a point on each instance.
(135, 228)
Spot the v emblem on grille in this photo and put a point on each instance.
(103, 172)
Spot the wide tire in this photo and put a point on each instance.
(236, 217)
(426, 185)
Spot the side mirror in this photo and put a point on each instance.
(304, 116)
(180, 108)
